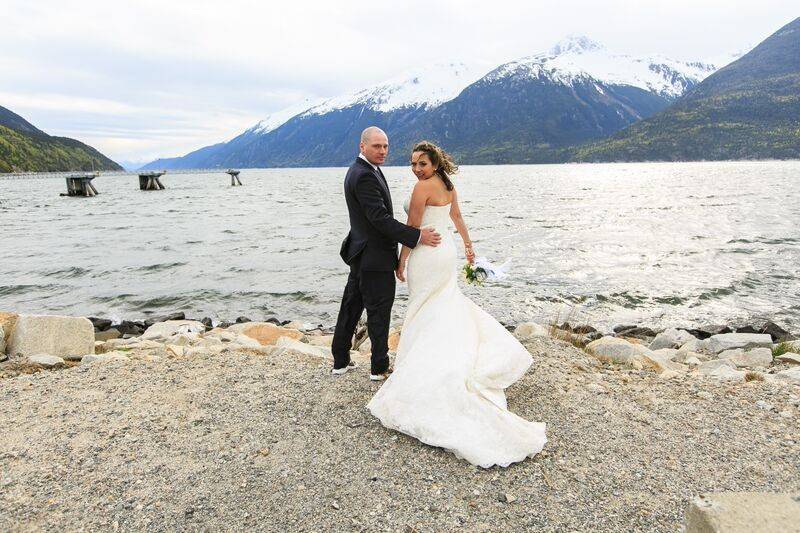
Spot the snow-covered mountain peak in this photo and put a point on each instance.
(579, 59)
(426, 86)
(576, 44)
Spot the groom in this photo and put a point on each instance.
(370, 249)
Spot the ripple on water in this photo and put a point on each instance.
(159, 267)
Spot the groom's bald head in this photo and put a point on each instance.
(369, 132)
(374, 145)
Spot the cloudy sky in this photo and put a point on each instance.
(147, 79)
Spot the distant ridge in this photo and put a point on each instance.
(748, 110)
(25, 148)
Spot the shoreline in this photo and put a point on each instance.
(245, 428)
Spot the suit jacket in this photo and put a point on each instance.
(374, 233)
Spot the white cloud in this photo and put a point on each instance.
(160, 78)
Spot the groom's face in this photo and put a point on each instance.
(376, 148)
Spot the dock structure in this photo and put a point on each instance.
(234, 177)
(149, 181)
(81, 185)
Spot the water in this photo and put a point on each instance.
(659, 244)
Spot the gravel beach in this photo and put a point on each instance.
(242, 441)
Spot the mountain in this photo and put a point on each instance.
(748, 110)
(527, 110)
(25, 148)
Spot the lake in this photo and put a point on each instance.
(658, 244)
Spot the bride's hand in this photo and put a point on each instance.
(470, 253)
(401, 275)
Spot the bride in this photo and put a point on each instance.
(454, 360)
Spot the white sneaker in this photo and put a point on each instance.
(381, 377)
(352, 365)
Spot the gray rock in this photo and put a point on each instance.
(789, 357)
(46, 361)
(726, 373)
(777, 333)
(710, 366)
(108, 334)
(169, 328)
(692, 345)
(693, 361)
(661, 359)
(618, 350)
(755, 358)
(729, 341)
(100, 324)
(530, 329)
(174, 316)
(307, 349)
(103, 357)
(50, 334)
(636, 332)
(705, 332)
(743, 512)
(671, 338)
(792, 375)
(683, 356)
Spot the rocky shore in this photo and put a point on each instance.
(183, 424)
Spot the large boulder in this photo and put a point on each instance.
(618, 350)
(729, 341)
(743, 512)
(50, 334)
(265, 333)
(755, 358)
(671, 338)
(170, 328)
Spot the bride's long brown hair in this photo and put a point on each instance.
(441, 160)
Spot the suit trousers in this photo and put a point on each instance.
(373, 291)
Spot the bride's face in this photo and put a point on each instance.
(421, 165)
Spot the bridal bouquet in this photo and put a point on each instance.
(483, 270)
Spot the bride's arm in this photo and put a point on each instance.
(416, 209)
(458, 220)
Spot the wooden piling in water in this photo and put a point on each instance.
(234, 177)
(150, 181)
(81, 185)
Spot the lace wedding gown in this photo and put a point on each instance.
(453, 363)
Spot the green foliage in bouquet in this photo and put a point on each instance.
(474, 275)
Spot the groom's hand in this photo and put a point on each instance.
(429, 237)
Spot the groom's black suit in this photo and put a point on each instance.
(371, 251)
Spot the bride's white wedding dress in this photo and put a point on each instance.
(453, 363)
